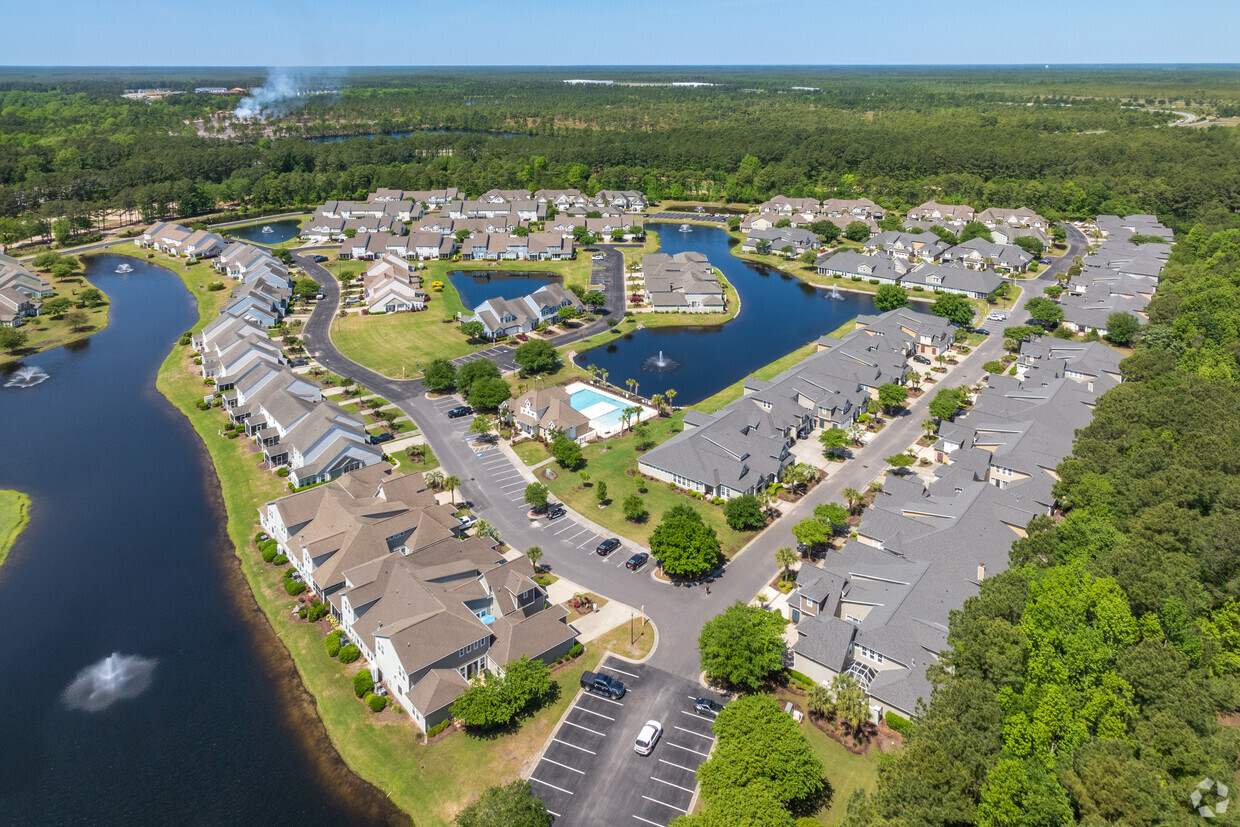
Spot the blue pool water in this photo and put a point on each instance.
(586, 398)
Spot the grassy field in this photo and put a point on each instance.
(612, 468)
(404, 465)
(734, 391)
(846, 771)
(14, 514)
(531, 452)
(47, 332)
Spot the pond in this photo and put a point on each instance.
(125, 553)
(282, 230)
(476, 286)
(779, 313)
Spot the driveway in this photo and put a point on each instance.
(589, 772)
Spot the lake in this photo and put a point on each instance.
(779, 313)
(280, 231)
(476, 286)
(126, 552)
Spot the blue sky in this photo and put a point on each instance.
(636, 32)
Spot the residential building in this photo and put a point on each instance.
(907, 246)
(176, 240)
(956, 215)
(979, 253)
(777, 240)
(391, 285)
(684, 282)
(506, 317)
(542, 412)
(13, 274)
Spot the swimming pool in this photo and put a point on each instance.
(601, 408)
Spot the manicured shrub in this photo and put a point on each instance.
(333, 644)
(293, 587)
(303, 612)
(438, 728)
(900, 724)
(269, 554)
(260, 537)
(215, 285)
(576, 651)
(282, 471)
(349, 653)
(801, 680)
(363, 683)
(185, 340)
(279, 560)
(377, 703)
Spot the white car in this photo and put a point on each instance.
(997, 317)
(597, 257)
(648, 737)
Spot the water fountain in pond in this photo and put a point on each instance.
(124, 268)
(835, 294)
(27, 377)
(659, 363)
(685, 228)
(115, 678)
(268, 230)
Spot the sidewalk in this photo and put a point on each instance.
(595, 624)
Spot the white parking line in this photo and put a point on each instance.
(561, 789)
(710, 738)
(622, 672)
(574, 769)
(592, 712)
(574, 746)
(639, 818)
(692, 715)
(571, 525)
(677, 766)
(648, 798)
(595, 731)
(557, 815)
(609, 700)
(686, 749)
(652, 778)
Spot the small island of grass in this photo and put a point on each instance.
(14, 514)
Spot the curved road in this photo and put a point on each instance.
(678, 611)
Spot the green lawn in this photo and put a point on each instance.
(611, 468)
(734, 391)
(531, 452)
(846, 771)
(404, 465)
(14, 514)
(47, 332)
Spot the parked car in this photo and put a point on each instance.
(460, 410)
(607, 547)
(320, 295)
(705, 706)
(921, 360)
(384, 437)
(648, 737)
(600, 683)
(637, 561)
(596, 257)
(353, 300)
(556, 511)
(981, 331)
(298, 363)
(467, 522)
(320, 259)
(521, 337)
(997, 317)
(1044, 261)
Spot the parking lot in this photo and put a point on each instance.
(589, 772)
(501, 356)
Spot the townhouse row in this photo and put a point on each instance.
(1119, 276)
(21, 292)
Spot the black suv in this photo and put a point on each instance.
(637, 561)
(460, 410)
(607, 547)
(556, 511)
(385, 437)
(601, 684)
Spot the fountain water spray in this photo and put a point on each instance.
(835, 294)
(115, 678)
(659, 363)
(27, 377)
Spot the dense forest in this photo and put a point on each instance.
(1097, 679)
(1067, 145)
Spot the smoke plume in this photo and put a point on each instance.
(284, 90)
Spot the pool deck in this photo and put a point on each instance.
(603, 430)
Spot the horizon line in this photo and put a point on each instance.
(599, 66)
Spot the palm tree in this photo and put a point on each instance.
(634, 415)
(929, 426)
(852, 496)
(786, 558)
(434, 480)
(766, 498)
(855, 431)
(660, 401)
(452, 482)
(670, 393)
(631, 384)
(592, 370)
(535, 554)
(850, 706)
(602, 375)
(820, 700)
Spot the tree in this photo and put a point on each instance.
(1053, 291)
(499, 699)
(55, 306)
(945, 403)
(809, 256)
(534, 554)
(12, 338)
(857, 231)
(77, 319)
(849, 705)
(45, 259)
(536, 356)
(452, 482)
(1044, 311)
(812, 533)
(471, 372)
(536, 494)
(827, 231)
(953, 307)
(900, 460)
(439, 375)
(832, 514)
(482, 425)
(305, 288)
(743, 646)
(786, 558)
(683, 544)
(851, 496)
(1121, 328)
(90, 297)
(513, 805)
(890, 297)
(948, 237)
(1030, 245)
(744, 513)
(975, 229)
(595, 299)
(566, 451)
(473, 329)
(488, 394)
(892, 396)
(567, 313)
(600, 492)
(635, 509)
(994, 366)
(834, 441)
